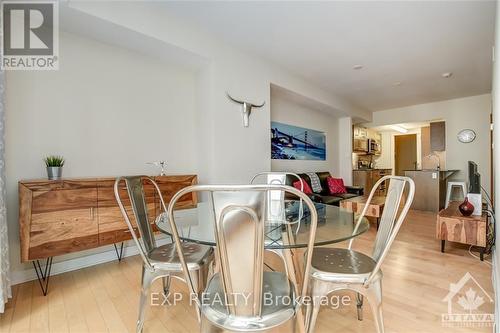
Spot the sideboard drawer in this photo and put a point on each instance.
(112, 236)
(114, 215)
(59, 200)
(170, 186)
(62, 232)
(462, 231)
(112, 226)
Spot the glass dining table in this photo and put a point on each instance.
(285, 236)
(292, 232)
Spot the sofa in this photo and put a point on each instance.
(324, 196)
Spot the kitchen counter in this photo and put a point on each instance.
(433, 170)
(430, 188)
(442, 173)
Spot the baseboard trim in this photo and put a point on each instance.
(79, 263)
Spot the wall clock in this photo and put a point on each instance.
(466, 136)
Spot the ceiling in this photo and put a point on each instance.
(408, 126)
(404, 46)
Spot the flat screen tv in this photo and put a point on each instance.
(474, 178)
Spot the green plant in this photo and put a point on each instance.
(54, 161)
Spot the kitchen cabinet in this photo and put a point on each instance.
(438, 136)
(367, 179)
(365, 133)
(360, 132)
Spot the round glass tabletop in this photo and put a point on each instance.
(334, 225)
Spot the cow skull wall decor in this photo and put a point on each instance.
(246, 108)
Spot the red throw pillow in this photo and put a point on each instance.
(336, 185)
(307, 189)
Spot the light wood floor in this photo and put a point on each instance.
(104, 298)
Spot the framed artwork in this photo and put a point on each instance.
(290, 142)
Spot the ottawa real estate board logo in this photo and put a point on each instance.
(469, 305)
(29, 35)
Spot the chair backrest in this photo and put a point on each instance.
(276, 177)
(239, 221)
(390, 221)
(276, 199)
(134, 186)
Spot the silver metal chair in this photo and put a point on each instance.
(276, 199)
(158, 261)
(338, 269)
(241, 296)
(276, 203)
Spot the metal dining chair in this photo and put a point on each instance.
(276, 204)
(158, 261)
(276, 212)
(235, 297)
(339, 269)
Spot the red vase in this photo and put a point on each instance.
(466, 208)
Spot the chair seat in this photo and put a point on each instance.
(165, 256)
(341, 265)
(276, 287)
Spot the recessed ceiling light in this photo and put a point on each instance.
(447, 75)
(357, 67)
(397, 83)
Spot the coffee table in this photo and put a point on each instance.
(357, 204)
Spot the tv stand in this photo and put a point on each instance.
(454, 227)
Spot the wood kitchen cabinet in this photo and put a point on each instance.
(438, 136)
(368, 178)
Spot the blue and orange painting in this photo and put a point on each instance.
(296, 143)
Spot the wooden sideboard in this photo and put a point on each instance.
(69, 215)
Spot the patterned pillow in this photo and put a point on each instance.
(307, 189)
(336, 185)
(315, 182)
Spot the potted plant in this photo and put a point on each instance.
(54, 166)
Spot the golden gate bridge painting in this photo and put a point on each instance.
(296, 143)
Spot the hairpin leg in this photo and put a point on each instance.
(120, 253)
(43, 275)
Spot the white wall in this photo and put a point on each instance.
(469, 112)
(345, 150)
(288, 112)
(236, 153)
(107, 110)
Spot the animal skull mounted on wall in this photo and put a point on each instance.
(247, 108)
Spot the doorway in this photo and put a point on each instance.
(405, 153)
